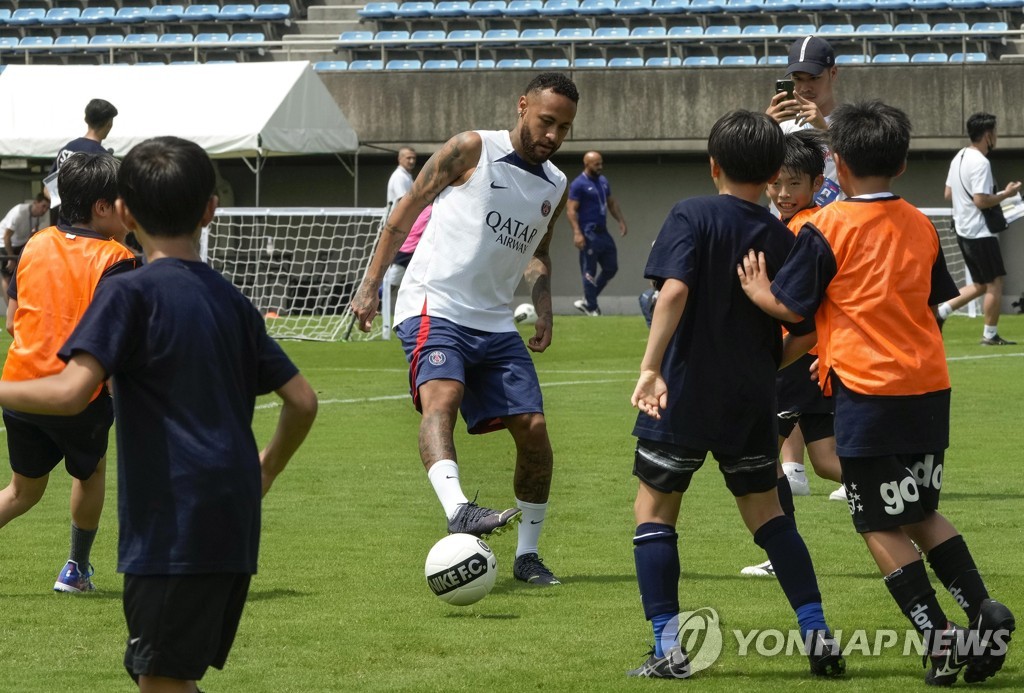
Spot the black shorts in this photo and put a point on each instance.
(983, 258)
(815, 427)
(37, 443)
(3, 265)
(669, 468)
(890, 491)
(180, 625)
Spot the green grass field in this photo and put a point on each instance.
(340, 602)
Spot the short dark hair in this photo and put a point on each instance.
(166, 183)
(979, 124)
(871, 137)
(83, 180)
(805, 152)
(98, 112)
(556, 82)
(40, 196)
(748, 146)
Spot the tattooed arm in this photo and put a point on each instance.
(452, 164)
(538, 274)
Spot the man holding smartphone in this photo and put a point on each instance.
(810, 102)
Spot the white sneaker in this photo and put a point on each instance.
(760, 570)
(838, 495)
(581, 306)
(798, 482)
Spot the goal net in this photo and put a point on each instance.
(299, 266)
(942, 217)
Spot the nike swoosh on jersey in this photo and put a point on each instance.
(494, 186)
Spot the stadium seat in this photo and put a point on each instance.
(36, 42)
(890, 58)
(893, 5)
(27, 16)
(247, 37)
(596, 8)
(590, 62)
(104, 42)
(166, 13)
(391, 36)
(817, 6)
(668, 7)
(366, 65)
(486, 8)
(61, 15)
(275, 12)
(834, 29)
(664, 62)
(501, 37)
(66, 44)
(723, 31)
(141, 40)
(685, 31)
(441, 65)
(700, 61)
(854, 5)
(200, 13)
(798, 30)
(850, 59)
(781, 6)
(236, 13)
(705, 6)
(950, 28)
(635, 7)
(929, 58)
(929, 5)
(551, 63)
(761, 30)
(626, 62)
(414, 10)
(459, 38)
(212, 37)
(773, 60)
(559, 8)
(537, 37)
(967, 4)
(5, 14)
(733, 6)
(131, 15)
(524, 8)
(874, 29)
(427, 37)
(611, 33)
(448, 9)
(576, 32)
(1006, 4)
(989, 27)
(476, 65)
(515, 64)
(356, 36)
(403, 65)
(738, 61)
(913, 28)
(97, 15)
(968, 58)
(378, 10)
(648, 33)
(174, 39)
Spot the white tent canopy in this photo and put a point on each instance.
(231, 110)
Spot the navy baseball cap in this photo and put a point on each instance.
(811, 55)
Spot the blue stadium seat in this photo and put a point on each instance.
(131, 15)
(1006, 4)
(705, 6)
(514, 64)
(596, 8)
(63, 44)
(537, 37)
(36, 42)
(276, 12)
(761, 30)
(378, 10)
(929, 5)
(429, 37)
(441, 64)
(559, 8)
(486, 8)
(166, 13)
(817, 5)
(236, 13)
(893, 5)
(366, 65)
(391, 36)
(576, 32)
(781, 5)
(798, 30)
(648, 33)
(524, 8)
(551, 63)
(611, 33)
(635, 7)
(723, 31)
(458, 38)
(773, 60)
(874, 28)
(476, 64)
(733, 6)
(667, 7)
(590, 62)
(913, 28)
(738, 61)
(403, 65)
(174, 39)
(247, 37)
(700, 61)
(967, 4)
(104, 42)
(417, 9)
(929, 58)
(356, 36)
(97, 15)
(850, 59)
(950, 28)
(330, 66)
(989, 27)
(27, 16)
(212, 37)
(968, 58)
(626, 62)
(141, 40)
(685, 31)
(5, 14)
(834, 29)
(854, 5)
(200, 13)
(664, 62)
(61, 15)
(891, 58)
(450, 8)
(501, 37)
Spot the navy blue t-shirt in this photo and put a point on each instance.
(188, 355)
(80, 144)
(593, 198)
(721, 362)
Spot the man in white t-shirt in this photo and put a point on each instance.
(971, 188)
(401, 180)
(21, 222)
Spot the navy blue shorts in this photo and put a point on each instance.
(669, 468)
(495, 368)
(37, 443)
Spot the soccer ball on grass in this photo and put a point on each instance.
(461, 569)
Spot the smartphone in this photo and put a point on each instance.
(785, 85)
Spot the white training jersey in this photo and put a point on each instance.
(480, 238)
(969, 173)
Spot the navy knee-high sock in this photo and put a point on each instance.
(916, 598)
(786, 496)
(954, 566)
(657, 573)
(792, 562)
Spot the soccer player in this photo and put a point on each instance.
(707, 384)
(869, 272)
(57, 276)
(188, 355)
(497, 200)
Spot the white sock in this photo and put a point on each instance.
(529, 528)
(990, 331)
(945, 311)
(792, 467)
(444, 477)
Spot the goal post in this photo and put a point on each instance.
(942, 218)
(300, 266)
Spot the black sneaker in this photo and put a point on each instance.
(481, 522)
(824, 654)
(996, 341)
(949, 648)
(675, 664)
(994, 626)
(530, 568)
